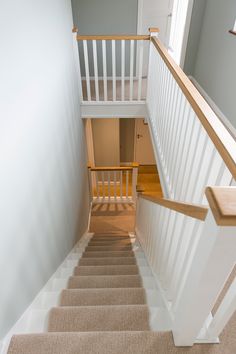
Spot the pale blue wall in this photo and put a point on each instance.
(215, 58)
(43, 174)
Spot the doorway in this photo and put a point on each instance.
(143, 150)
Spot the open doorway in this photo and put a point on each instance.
(120, 142)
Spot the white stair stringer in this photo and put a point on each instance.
(35, 316)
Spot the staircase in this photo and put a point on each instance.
(110, 304)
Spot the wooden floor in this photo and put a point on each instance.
(148, 178)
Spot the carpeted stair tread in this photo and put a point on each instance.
(107, 270)
(128, 342)
(110, 233)
(99, 318)
(104, 281)
(95, 297)
(109, 242)
(111, 238)
(107, 261)
(108, 254)
(91, 248)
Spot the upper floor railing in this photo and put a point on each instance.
(114, 67)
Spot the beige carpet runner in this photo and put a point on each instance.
(102, 311)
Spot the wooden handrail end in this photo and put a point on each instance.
(154, 30)
(75, 29)
(135, 164)
(139, 188)
(222, 201)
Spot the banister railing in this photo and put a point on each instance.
(191, 249)
(112, 67)
(195, 211)
(113, 184)
(189, 246)
(194, 147)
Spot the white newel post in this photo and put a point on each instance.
(90, 184)
(211, 265)
(134, 181)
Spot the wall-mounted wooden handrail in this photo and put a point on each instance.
(222, 201)
(220, 136)
(193, 210)
(113, 37)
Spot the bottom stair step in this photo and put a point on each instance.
(94, 297)
(99, 318)
(92, 343)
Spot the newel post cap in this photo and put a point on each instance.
(222, 201)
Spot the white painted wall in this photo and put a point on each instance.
(214, 68)
(43, 176)
(105, 17)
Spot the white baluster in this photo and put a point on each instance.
(131, 74)
(113, 69)
(103, 186)
(97, 184)
(122, 70)
(95, 63)
(86, 63)
(127, 185)
(140, 70)
(104, 61)
(109, 184)
(115, 192)
(121, 185)
(134, 181)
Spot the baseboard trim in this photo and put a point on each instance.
(22, 324)
(215, 108)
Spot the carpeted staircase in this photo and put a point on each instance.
(103, 310)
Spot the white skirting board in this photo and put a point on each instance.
(33, 311)
(214, 106)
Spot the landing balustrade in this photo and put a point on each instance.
(113, 184)
(189, 236)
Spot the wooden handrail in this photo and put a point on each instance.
(112, 168)
(113, 37)
(222, 201)
(221, 138)
(193, 210)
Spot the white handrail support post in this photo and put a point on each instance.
(134, 182)
(211, 264)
